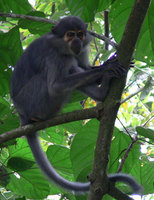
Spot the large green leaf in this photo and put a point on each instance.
(10, 46)
(82, 149)
(119, 14)
(15, 6)
(53, 134)
(59, 156)
(145, 44)
(19, 164)
(35, 27)
(146, 132)
(29, 183)
(83, 8)
(86, 9)
(10, 121)
(20, 150)
(144, 173)
(120, 144)
(4, 83)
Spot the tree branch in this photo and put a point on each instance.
(60, 119)
(111, 105)
(51, 21)
(34, 18)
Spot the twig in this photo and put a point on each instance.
(148, 121)
(124, 127)
(34, 18)
(102, 37)
(133, 94)
(41, 19)
(145, 72)
(145, 141)
(126, 155)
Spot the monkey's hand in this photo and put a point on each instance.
(113, 68)
(113, 60)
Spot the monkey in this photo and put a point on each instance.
(47, 73)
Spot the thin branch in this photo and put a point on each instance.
(117, 158)
(124, 127)
(102, 37)
(144, 125)
(126, 155)
(60, 119)
(144, 71)
(38, 19)
(50, 21)
(145, 141)
(132, 95)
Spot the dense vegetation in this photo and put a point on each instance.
(70, 147)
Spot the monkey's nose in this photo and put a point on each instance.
(76, 46)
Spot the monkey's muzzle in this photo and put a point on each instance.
(76, 46)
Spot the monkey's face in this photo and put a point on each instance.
(75, 39)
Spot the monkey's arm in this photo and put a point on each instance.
(82, 78)
(98, 88)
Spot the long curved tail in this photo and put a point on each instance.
(76, 187)
(49, 171)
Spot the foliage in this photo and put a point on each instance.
(70, 147)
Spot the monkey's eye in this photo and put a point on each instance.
(70, 34)
(80, 34)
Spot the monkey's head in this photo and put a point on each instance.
(74, 32)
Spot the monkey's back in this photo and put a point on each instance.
(36, 69)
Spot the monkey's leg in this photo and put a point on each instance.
(98, 93)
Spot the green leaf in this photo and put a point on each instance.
(69, 107)
(10, 122)
(59, 156)
(85, 9)
(4, 107)
(103, 5)
(76, 97)
(120, 144)
(146, 132)
(120, 12)
(30, 183)
(145, 44)
(82, 149)
(35, 27)
(144, 173)
(53, 134)
(19, 164)
(21, 150)
(10, 46)
(73, 127)
(15, 6)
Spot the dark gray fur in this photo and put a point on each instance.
(44, 78)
